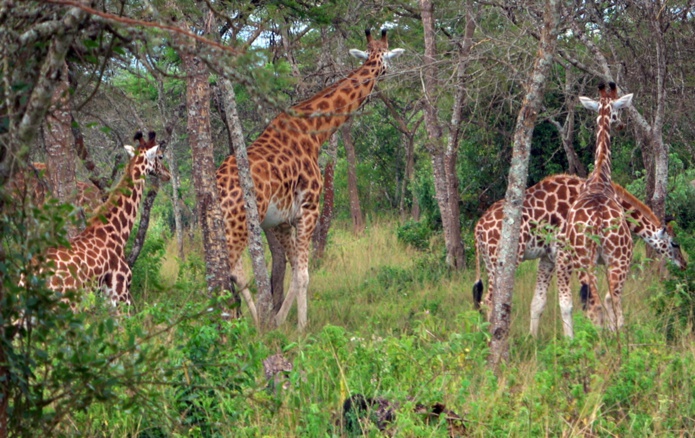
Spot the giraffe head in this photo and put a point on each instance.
(377, 52)
(608, 104)
(150, 156)
(663, 241)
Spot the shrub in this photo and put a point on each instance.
(675, 306)
(415, 234)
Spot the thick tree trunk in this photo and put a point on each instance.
(264, 305)
(60, 153)
(518, 172)
(355, 208)
(209, 212)
(321, 232)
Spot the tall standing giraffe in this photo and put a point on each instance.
(97, 254)
(284, 166)
(596, 227)
(543, 217)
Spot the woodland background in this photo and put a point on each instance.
(390, 314)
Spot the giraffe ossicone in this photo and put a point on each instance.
(96, 256)
(284, 167)
(596, 229)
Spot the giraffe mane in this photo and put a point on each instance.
(637, 204)
(123, 184)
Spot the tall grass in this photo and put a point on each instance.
(388, 321)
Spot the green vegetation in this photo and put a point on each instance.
(387, 321)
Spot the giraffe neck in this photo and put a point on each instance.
(330, 108)
(601, 174)
(117, 215)
(642, 220)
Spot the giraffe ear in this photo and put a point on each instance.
(131, 150)
(589, 103)
(393, 53)
(623, 102)
(359, 54)
(151, 153)
(662, 233)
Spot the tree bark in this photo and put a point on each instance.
(144, 223)
(514, 198)
(264, 305)
(321, 232)
(355, 208)
(409, 146)
(60, 153)
(175, 198)
(207, 198)
(277, 276)
(566, 131)
(23, 129)
(444, 155)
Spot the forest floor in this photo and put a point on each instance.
(392, 328)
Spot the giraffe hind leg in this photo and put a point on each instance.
(540, 294)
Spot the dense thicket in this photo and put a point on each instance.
(110, 68)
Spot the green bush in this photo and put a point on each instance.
(675, 305)
(681, 194)
(56, 363)
(415, 234)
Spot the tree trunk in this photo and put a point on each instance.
(207, 199)
(444, 155)
(574, 164)
(60, 153)
(321, 232)
(277, 276)
(144, 223)
(514, 198)
(175, 198)
(355, 209)
(264, 305)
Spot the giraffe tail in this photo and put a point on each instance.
(584, 294)
(478, 285)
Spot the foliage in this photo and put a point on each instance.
(415, 234)
(55, 362)
(675, 305)
(681, 193)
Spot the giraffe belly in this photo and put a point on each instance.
(275, 216)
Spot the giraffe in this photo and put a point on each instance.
(284, 166)
(544, 214)
(596, 227)
(32, 184)
(97, 253)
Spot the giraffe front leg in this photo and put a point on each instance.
(540, 293)
(299, 247)
(116, 284)
(241, 282)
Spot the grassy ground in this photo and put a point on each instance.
(389, 322)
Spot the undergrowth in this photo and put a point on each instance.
(390, 325)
